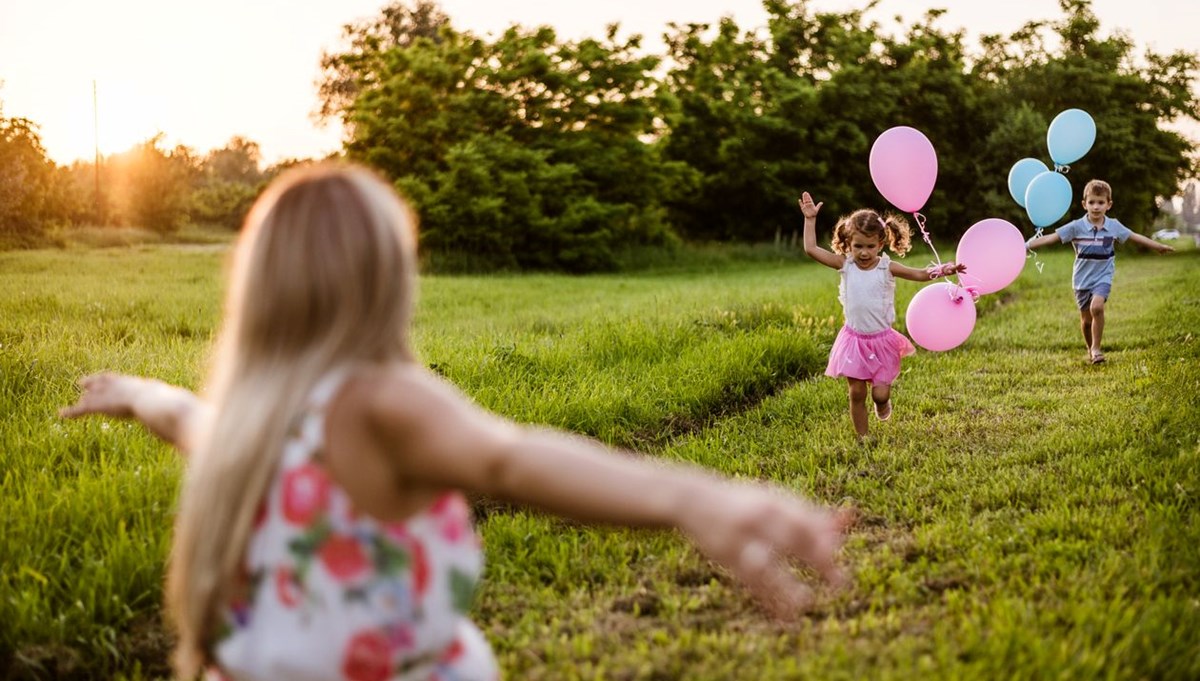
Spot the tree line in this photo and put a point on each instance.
(148, 186)
(524, 151)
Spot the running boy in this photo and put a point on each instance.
(1093, 237)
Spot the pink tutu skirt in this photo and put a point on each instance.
(873, 357)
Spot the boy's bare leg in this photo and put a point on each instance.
(1085, 325)
(1097, 311)
(882, 395)
(858, 406)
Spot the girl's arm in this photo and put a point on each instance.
(1051, 238)
(437, 438)
(170, 412)
(821, 255)
(1153, 245)
(928, 274)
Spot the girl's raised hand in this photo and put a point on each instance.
(808, 207)
(757, 533)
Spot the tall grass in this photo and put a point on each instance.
(1024, 515)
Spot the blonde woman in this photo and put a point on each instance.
(322, 531)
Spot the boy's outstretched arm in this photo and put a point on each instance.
(170, 412)
(1156, 246)
(1046, 240)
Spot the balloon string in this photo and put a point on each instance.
(972, 285)
(1037, 234)
(920, 219)
(925, 235)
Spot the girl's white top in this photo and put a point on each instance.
(332, 594)
(868, 297)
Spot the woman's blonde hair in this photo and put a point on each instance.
(323, 275)
(892, 230)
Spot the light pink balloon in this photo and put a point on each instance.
(940, 316)
(994, 252)
(904, 167)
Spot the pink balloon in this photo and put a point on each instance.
(994, 252)
(904, 167)
(940, 316)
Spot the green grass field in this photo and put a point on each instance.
(1023, 515)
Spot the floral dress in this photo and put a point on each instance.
(330, 594)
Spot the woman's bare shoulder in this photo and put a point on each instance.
(397, 394)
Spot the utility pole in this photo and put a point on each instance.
(96, 131)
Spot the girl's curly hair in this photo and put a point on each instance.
(892, 229)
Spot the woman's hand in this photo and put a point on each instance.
(170, 412)
(808, 207)
(105, 393)
(757, 532)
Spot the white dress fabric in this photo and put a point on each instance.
(867, 348)
(868, 297)
(334, 595)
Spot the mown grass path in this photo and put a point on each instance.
(1024, 514)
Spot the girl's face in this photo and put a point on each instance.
(865, 249)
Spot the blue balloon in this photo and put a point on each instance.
(1021, 175)
(1048, 198)
(1070, 136)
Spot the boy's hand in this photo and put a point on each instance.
(1166, 248)
(808, 207)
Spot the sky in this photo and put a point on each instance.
(202, 73)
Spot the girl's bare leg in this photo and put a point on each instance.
(858, 406)
(882, 395)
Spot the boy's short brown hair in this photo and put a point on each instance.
(1098, 188)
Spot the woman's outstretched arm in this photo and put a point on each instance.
(440, 438)
(170, 412)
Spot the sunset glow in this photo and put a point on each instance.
(203, 73)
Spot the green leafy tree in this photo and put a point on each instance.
(345, 74)
(738, 125)
(761, 120)
(229, 181)
(26, 182)
(1128, 101)
(568, 125)
(152, 187)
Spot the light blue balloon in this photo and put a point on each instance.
(1070, 136)
(1021, 175)
(1048, 198)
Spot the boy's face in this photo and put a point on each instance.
(1096, 206)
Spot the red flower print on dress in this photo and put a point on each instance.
(397, 532)
(402, 637)
(453, 517)
(305, 494)
(286, 587)
(260, 515)
(367, 658)
(420, 568)
(343, 556)
(453, 651)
